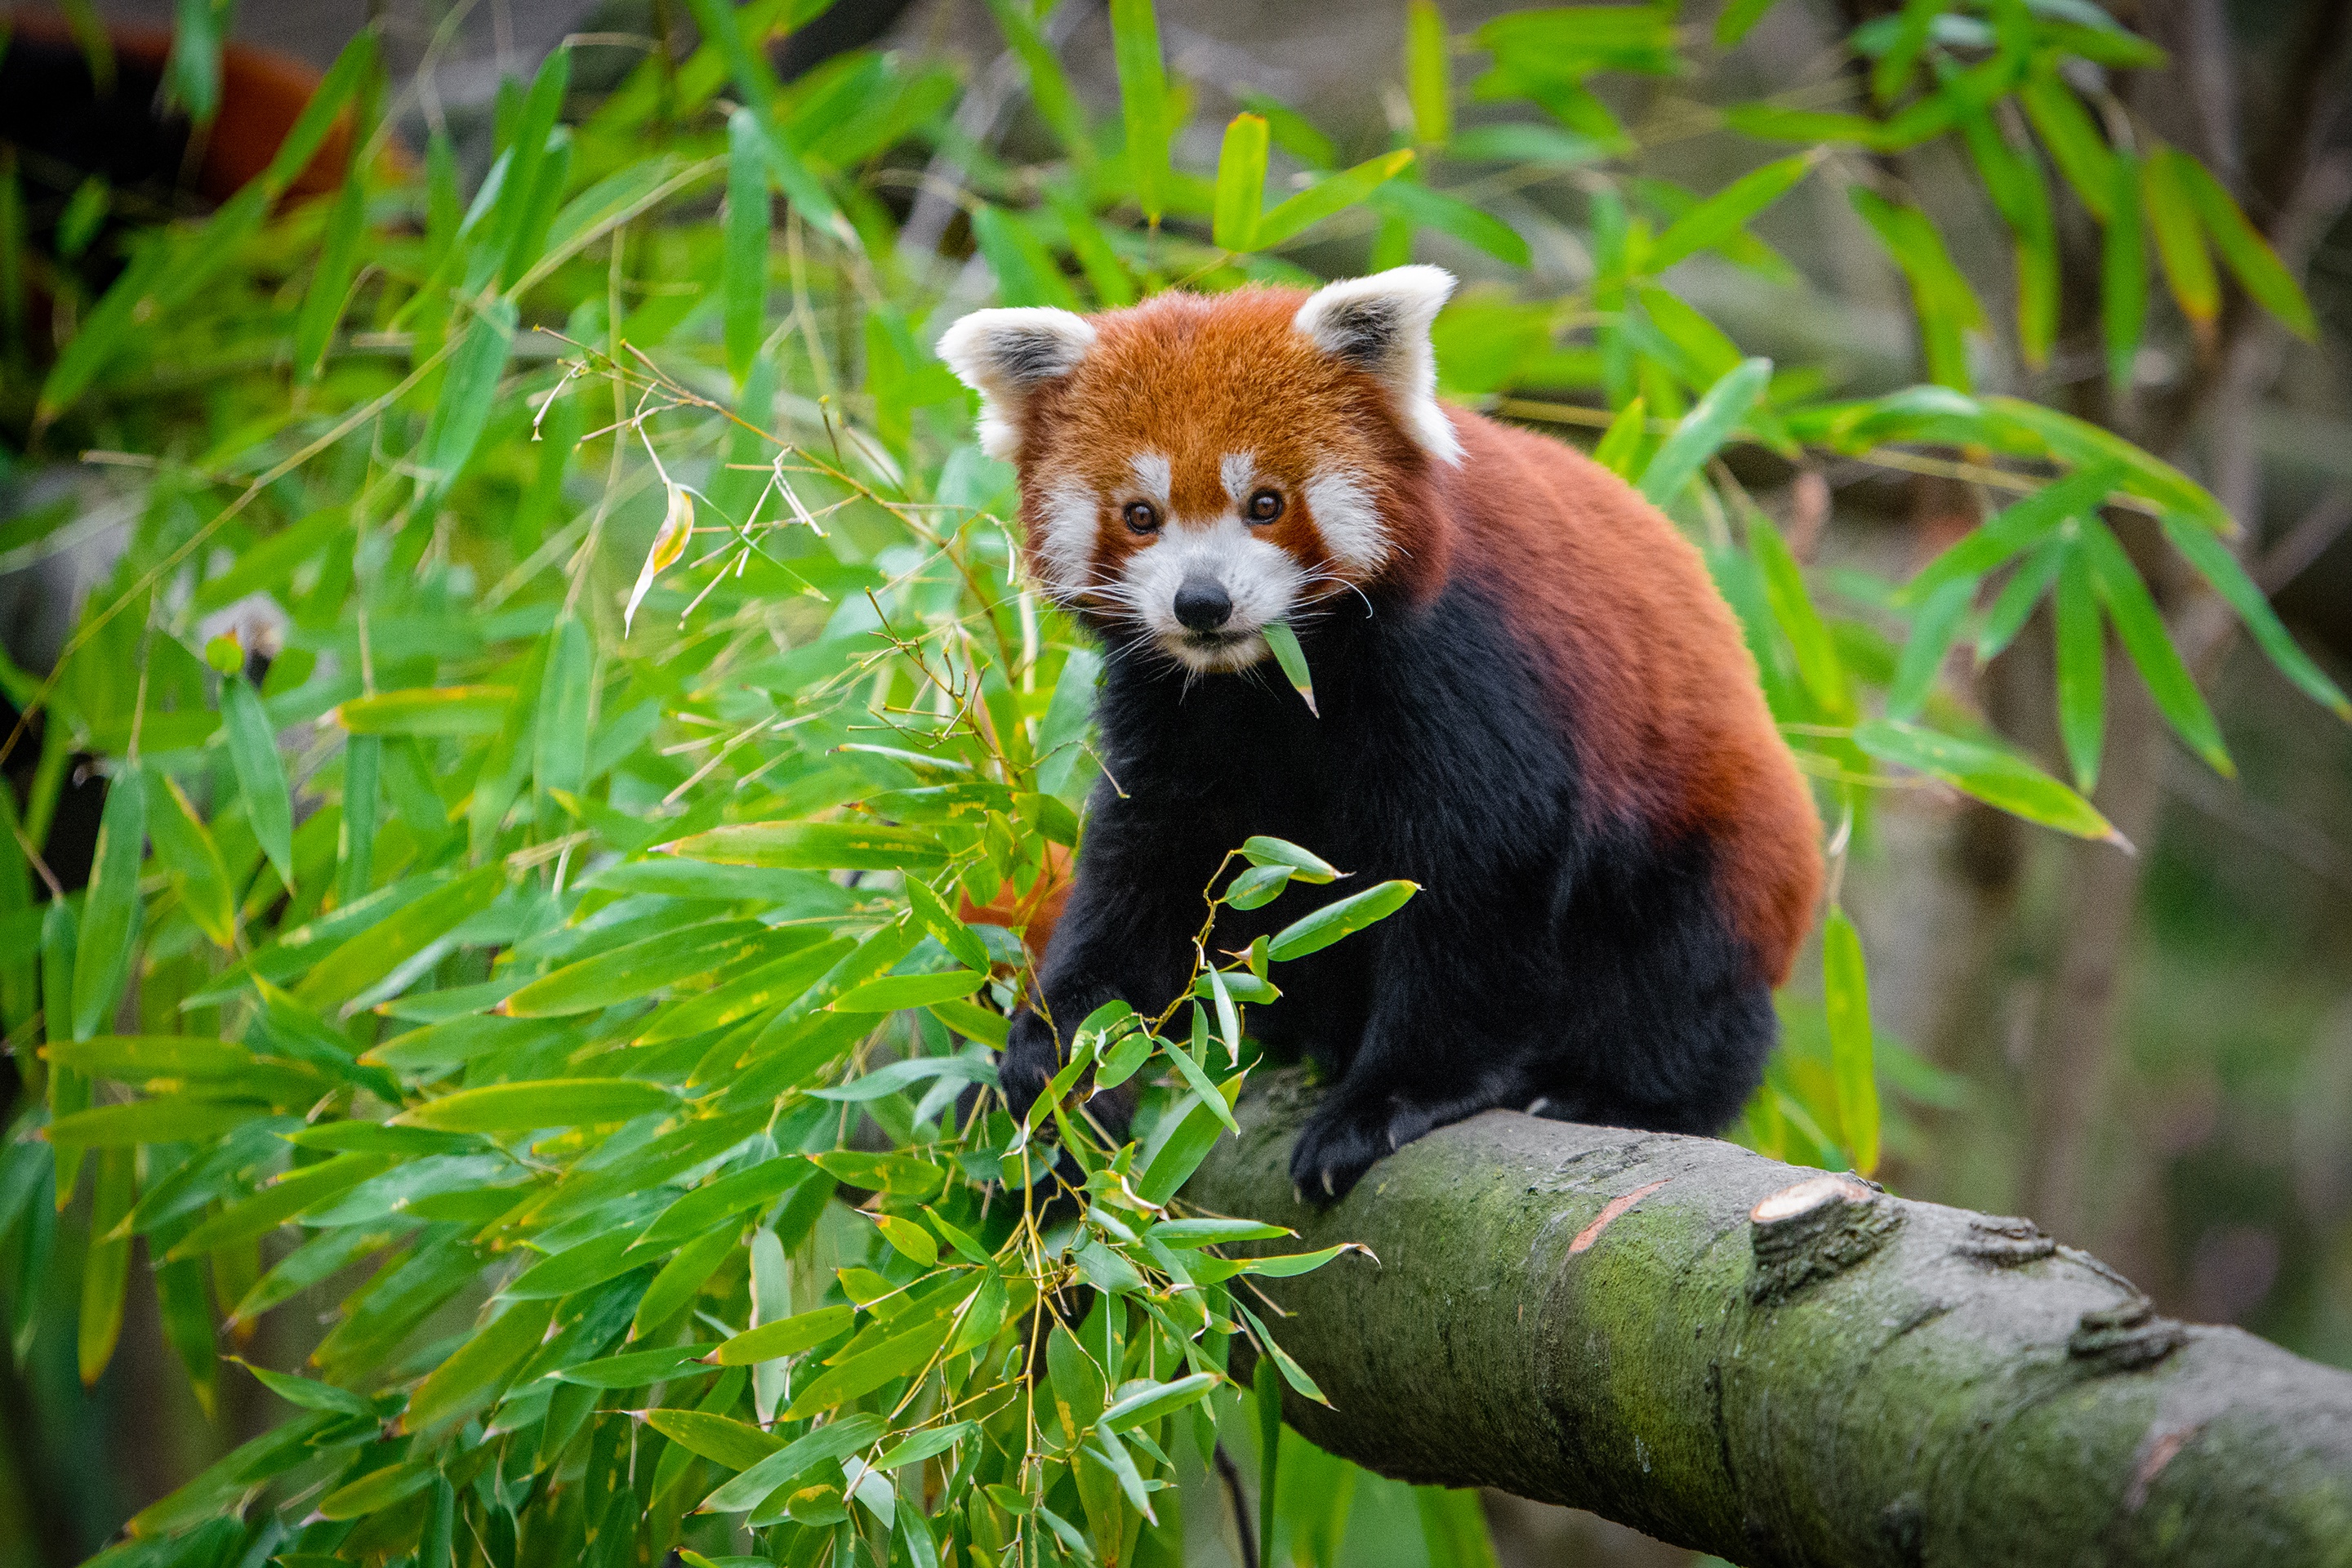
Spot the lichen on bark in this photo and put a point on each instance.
(1907, 1384)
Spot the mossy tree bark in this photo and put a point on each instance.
(1775, 1366)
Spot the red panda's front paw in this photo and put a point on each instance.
(1337, 1145)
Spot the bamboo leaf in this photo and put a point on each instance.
(1621, 444)
(1342, 917)
(2139, 626)
(1428, 73)
(1933, 631)
(1240, 183)
(811, 846)
(2214, 562)
(2082, 668)
(2066, 129)
(1284, 642)
(2244, 251)
(746, 271)
(106, 1270)
(1998, 777)
(1729, 211)
(467, 396)
(1142, 101)
(1289, 218)
(111, 911)
(260, 772)
(1703, 432)
(2179, 235)
(545, 1102)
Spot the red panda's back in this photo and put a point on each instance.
(1670, 721)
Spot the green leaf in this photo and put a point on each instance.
(1289, 218)
(2123, 273)
(467, 394)
(1293, 660)
(736, 1445)
(1845, 994)
(260, 773)
(354, 65)
(1428, 73)
(1305, 864)
(745, 274)
(2082, 668)
(2017, 598)
(106, 1269)
(110, 910)
(566, 692)
(290, 1194)
(1818, 665)
(682, 1278)
(1186, 1144)
(2244, 251)
(369, 956)
(1620, 445)
(475, 1373)
(1257, 887)
(830, 1443)
(1240, 183)
(135, 1058)
(1940, 296)
(546, 1102)
(1142, 101)
(2179, 237)
(1427, 208)
(786, 1336)
(1334, 920)
(2000, 778)
(1735, 21)
(958, 939)
(894, 992)
(2066, 129)
(813, 845)
(638, 969)
(2214, 562)
(169, 1121)
(330, 281)
(1704, 431)
(2019, 526)
(1933, 631)
(1728, 212)
(2139, 626)
(638, 1368)
(1191, 1233)
(438, 710)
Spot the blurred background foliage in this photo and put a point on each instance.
(534, 455)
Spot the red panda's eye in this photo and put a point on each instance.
(1142, 518)
(1264, 506)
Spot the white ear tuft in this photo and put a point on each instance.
(1006, 354)
(1381, 324)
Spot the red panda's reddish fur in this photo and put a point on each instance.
(1648, 665)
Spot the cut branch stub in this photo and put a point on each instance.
(1820, 1226)
(2007, 1243)
(2124, 1336)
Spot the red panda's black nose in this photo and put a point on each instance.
(1203, 605)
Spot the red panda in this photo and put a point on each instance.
(1532, 702)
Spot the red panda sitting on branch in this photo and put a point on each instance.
(1532, 702)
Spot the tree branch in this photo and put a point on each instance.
(1775, 1366)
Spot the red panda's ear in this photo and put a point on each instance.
(1004, 355)
(1381, 324)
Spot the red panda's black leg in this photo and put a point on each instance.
(1125, 935)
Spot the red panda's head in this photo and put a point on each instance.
(1198, 466)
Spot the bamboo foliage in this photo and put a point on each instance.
(571, 704)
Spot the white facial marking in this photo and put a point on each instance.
(1259, 578)
(1237, 470)
(1065, 543)
(1342, 505)
(1154, 476)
